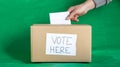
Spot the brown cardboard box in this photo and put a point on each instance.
(81, 53)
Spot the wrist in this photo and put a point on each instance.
(89, 4)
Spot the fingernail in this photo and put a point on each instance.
(77, 20)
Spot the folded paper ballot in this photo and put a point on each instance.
(59, 18)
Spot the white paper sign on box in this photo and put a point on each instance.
(61, 44)
(59, 18)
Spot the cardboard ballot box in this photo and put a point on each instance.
(60, 43)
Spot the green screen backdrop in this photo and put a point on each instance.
(16, 17)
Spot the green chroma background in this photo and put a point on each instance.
(16, 17)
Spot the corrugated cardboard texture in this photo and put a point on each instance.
(38, 43)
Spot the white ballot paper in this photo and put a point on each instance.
(59, 18)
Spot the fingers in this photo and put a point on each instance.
(71, 9)
(72, 15)
(76, 18)
(76, 11)
(75, 14)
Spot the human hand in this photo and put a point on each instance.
(79, 10)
